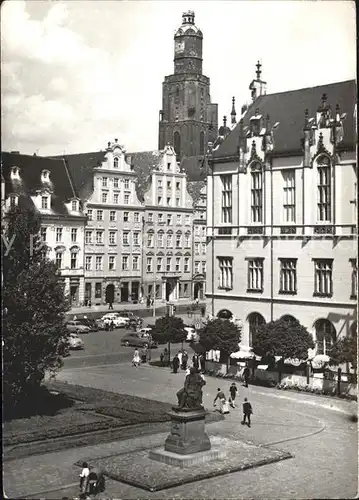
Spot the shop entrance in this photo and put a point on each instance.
(110, 294)
(124, 292)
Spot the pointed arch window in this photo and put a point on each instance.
(256, 193)
(324, 187)
(201, 143)
(177, 143)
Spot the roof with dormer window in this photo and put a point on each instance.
(288, 109)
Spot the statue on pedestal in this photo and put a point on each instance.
(191, 394)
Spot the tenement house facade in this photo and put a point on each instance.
(44, 186)
(167, 244)
(282, 213)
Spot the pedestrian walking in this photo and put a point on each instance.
(111, 325)
(197, 301)
(166, 357)
(162, 358)
(247, 412)
(84, 477)
(136, 358)
(179, 355)
(246, 375)
(110, 306)
(233, 392)
(144, 355)
(202, 362)
(221, 401)
(184, 360)
(148, 301)
(175, 364)
(195, 361)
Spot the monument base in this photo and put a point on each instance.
(170, 458)
(188, 434)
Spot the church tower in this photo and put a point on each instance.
(188, 119)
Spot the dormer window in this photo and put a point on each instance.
(15, 173)
(44, 202)
(74, 205)
(168, 166)
(45, 176)
(115, 162)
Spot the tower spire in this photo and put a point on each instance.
(259, 70)
(233, 112)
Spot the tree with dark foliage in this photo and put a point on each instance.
(345, 351)
(33, 305)
(167, 330)
(220, 334)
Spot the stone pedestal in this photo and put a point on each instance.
(188, 434)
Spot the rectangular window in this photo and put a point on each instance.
(178, 263)
(150, 217)
(98, 290)
(136, 217)
(126, 216)
(99, 215)
(160, 218)
(74, 205)
(159, 200)
(168, 264)
(135, 263)
(104, 198)
(43, 234)
(88, 237)
(187, 241)
(127, 184)
(354, 279)
(288, 195)
(149, 264)
(169, 185)
(196, 267)
(179, 219)
(169, 241)
(90, 214)
(150, 240)
(112, 215)
(125, 259)
(44, 202)
(99, 261)
(99, 237)
(59, 260)
(196, 248)
(73, 235)
(125, 238)
(324, 191)
(323, 277)
(187, 220)
(226, 198)
(115, 198)
(288, 276)
(126, 199)
(178, 240)
(169, 219)
(168, 166)
(159, 264)
(203, 267)
(58, 234)
(177, 202)
(88, 262)
(255, 275)
(104, 182)
(225, 272)
(177, 186)
(112, 237)
(115, 182)
(111, 263)
(257, 196)
(73, 260)
(160, 240)
(185, 289)
(159, 183)
(169, 202)
(204, 248)
(136, 238)
(186, 264)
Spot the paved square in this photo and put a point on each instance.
(137, 469)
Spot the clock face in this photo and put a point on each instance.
(179, 47)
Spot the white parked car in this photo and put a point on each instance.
(74, 341)
(192, 335)
(146, 331)
(118, 321)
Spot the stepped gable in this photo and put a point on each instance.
(288, 109)
(30, 182)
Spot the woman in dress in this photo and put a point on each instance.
(136, 358)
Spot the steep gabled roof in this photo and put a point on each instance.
(30, 179)
(194, 167)
(288, 109)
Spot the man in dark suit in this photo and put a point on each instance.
(247, 412)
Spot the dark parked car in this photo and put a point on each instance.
(138, 340)
(91, 323)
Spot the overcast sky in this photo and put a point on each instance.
(76, 74)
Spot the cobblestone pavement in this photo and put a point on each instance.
(317, 430)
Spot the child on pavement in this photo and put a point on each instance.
(84, 476)
(233, 392)
(247, 412)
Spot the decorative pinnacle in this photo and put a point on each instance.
(324, 99)
(116, 140)
(259, 71)
(224, 121)
(233, 112)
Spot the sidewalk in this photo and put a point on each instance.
(180, 305)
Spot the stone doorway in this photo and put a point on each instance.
(198, 291)
(110, 294)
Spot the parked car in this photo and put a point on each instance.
(118, 321)
(74, 342)
(137, 339)
(91, 323)
(75, 326)
(192, 335)
(109, 316)
(100, 324)
(145, 331)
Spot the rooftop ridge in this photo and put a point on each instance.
(306, 88)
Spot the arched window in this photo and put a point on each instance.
(177, 143)
(325, 336)
(256, 193)
(324, 189)
(115, 162)
(225, 314)
(288, 318)
(201, 143)
(255, 320)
